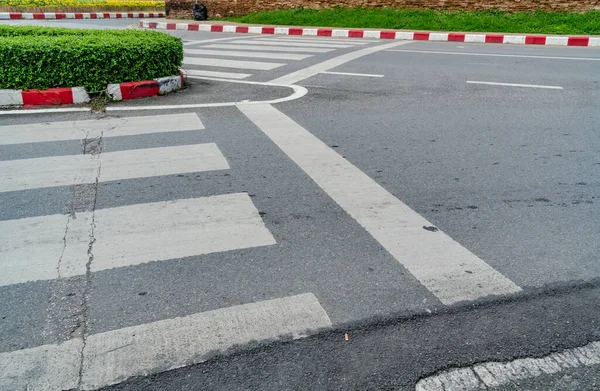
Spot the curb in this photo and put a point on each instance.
(52, 96)
(381, 34)
(145, 88)
(74, 95)
(79, 15)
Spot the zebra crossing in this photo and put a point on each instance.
(84, 242)
(238, 58)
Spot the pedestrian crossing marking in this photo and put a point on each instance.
(105, 127)
(236, 46)
(222, 63)
(114, 356)
(70, 170)
(223, 75)
(273, 56)
(293, 44)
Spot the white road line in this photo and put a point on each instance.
(496, 55)
(269, 48)
(114, 356)
(307, 72)
(340, 41)
(351, 74)
(195, 226)
(495, 374)
(79, 169)
(36, 248)
(226, 75)
(490, 83)
(219, 62)
(296, 44)
(274, 56)
(106, 127)
(189, 43)
(450, 271)
(43, 368)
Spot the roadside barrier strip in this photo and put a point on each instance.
(377, 34)
(79, 15)
(74, 95)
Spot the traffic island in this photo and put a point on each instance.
(46, 66)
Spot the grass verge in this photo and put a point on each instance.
(47, 57)
(539, 22)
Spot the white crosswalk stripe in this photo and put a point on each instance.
(217, 59)
(113, 356)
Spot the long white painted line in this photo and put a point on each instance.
(194, 226)
(106, 127)
(351, 74)
(114, 356)
(150, 348)
(79, 169)
(340, 41)
(45, 111)
(450, 271)
(44, 248)
(490, 375)
(490, 83)
(495, 55)
(269, 48)
(274, 56)
(189, 43)
(295, 44)
(226, 75)
(56, 246)
(43, 368)
(219, 62)
(326, 65)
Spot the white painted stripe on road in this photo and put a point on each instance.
(114, 356)
(315, 40)
(150, 348)
(266, 42)
(204, 41)
(321, 67)
(44, 248)
(56, 246)
(450, 271)
(80, 169)
(106, 127)
(495, 55)
(490, 83)
(495, 374)
(195, 226)
(219, 62)
(43, 368)
(228, 53)
(226, 75)
(351, 74)
(235, 46)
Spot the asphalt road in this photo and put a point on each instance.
(506, 176)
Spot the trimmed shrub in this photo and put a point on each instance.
(46, 57)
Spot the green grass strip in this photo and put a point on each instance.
(539, 22)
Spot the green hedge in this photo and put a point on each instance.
(46, 57)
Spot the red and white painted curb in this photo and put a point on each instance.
(380, 34)
(79, 15)
(53, 96)
(74, 95)
(142, 89)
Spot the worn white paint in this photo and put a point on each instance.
(114, 356)
(219, 62)
(105, 127)
(482, 377)
(226, 75)
(451, 272)
(348, 41)
(491, 83)
(237, 46)
(291, 43)
(351, 74)
(252, 54)
(11, 97)
(80, 169)
(194, 226)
